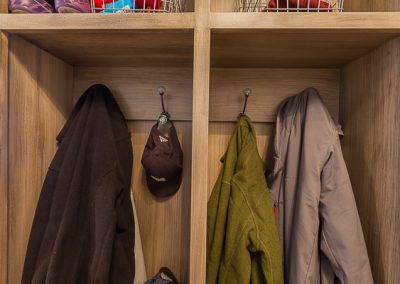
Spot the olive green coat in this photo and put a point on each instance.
(242, 240)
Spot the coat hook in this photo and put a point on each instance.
(161, 91)
(246, 93)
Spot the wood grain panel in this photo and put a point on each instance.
(369, 112)
(218, 140)
(136, 89)
(39, 101)
(164, 224)
(4, 7)
(201, 84)
(77, 22)
(349, 22)
(224, 6)
(291, 49)
(147, 48)
(270, 87)
(3, 156)
(189, 5)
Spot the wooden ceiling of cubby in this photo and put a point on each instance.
(152, 48)
(292, 49)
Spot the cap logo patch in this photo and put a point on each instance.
(162, 139)
(158, 179)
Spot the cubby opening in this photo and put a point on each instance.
(48, 73)
(359, 86)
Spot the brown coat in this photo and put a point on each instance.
(83, 230)
(317, 216)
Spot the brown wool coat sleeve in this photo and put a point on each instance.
(83, 229)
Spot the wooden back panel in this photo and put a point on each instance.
(269, 88)
(4, 6)
(135, 89)
(369, 104)
(224, 6)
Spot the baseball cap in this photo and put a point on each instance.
(162, 160)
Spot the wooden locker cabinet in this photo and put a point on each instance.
(205, 58)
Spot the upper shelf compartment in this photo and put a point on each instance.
(150, 40)
(299, 40)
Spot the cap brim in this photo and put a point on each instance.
(164, 188)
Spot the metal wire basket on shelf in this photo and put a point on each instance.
(290, 5)
(137, 6)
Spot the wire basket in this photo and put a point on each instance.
(290, 5)
(137, 6)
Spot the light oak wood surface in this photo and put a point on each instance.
(135, 89)
(369, 112)
(269, 88)
(3, 7)
(310, 22)
(40, 101)
(133, 48)
(3, 156)
(224, 6)
(164, 224)
(291, 49)
(100, 23)
(201, 85)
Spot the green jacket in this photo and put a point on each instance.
(242, 240)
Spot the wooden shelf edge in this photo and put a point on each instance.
(26, 23)
(312, 22)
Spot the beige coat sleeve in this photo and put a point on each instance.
(342, 239)
(140, 267)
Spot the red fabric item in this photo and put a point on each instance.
(304, 4)
(99, 3)
(272, 5)
(275, 212)
(150, 4)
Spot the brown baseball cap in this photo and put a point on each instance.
(162, 160)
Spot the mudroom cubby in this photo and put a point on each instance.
(356, 74)
(205, 58)
(47, 74)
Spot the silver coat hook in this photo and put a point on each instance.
(161, 91)
(247, 93)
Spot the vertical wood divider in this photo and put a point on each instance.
(201, 79)
(3, 157)
(4, 6)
